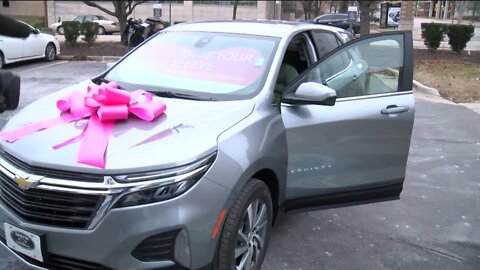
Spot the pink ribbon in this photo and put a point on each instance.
(103, 105)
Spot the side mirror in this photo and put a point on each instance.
(36, 31)
(311, 93)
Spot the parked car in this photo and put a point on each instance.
(261, 117)
(36, 45)
(339, 20)
(106, 26)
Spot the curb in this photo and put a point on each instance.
(91, 58)
(419, 87)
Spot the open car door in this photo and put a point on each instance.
(356, 150)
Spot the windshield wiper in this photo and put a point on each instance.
(169, 94)
(100, 80)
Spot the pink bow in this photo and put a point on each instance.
(103, 105)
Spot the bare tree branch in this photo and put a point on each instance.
(93, 4)
(133, 7)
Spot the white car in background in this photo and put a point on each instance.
(36, 45)
(106, 26)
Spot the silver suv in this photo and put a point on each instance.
(261, 117)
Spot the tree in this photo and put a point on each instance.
(122, 9)
(460, 8)
(312, 8)
(365, 8)
(235, 5)
(343, 6)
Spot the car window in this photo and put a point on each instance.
(78, 18)
(366, 67)
(325, 17)
(340, 16)
(211, 65)
(101, 18)
(295, 61)
(90, 18)
(324, 42)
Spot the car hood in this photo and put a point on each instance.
(187, 131)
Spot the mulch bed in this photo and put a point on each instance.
(81, 50)
(473, 57)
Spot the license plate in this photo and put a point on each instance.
(24, 242)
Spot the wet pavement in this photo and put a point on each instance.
(435, 224)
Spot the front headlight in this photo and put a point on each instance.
(163, 185)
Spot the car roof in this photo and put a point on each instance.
(273, 28)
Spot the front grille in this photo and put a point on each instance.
(159, 247)
(53, 208)
(59, 174)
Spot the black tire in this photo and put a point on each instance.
(101, 30)
(60, 30)
(50, 52)
(254, 193)
(2, 60)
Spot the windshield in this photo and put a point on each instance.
(217, 66)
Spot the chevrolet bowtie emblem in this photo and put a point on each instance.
(25, 183)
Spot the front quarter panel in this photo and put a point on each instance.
(256, 143)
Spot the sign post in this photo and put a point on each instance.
(352, 16)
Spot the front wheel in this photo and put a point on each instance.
(50, 52)
(246, 231)
(101, 30)
(60, 30)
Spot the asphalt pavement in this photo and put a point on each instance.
(435, 224)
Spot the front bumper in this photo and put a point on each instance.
(111, 242)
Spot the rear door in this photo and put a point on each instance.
(355, 151)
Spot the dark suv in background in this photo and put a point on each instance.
(338, 20)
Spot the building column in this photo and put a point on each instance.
(50, 15)
(439, 9)
(406, 15)
(445, 13)
(430, 10)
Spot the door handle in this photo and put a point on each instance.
(391, 109)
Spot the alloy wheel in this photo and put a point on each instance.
(101, 30)
(251, 236)
(50, 52)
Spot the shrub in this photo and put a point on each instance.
(459, 35)
(89, 30)
(434, 34)
(72, 31)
